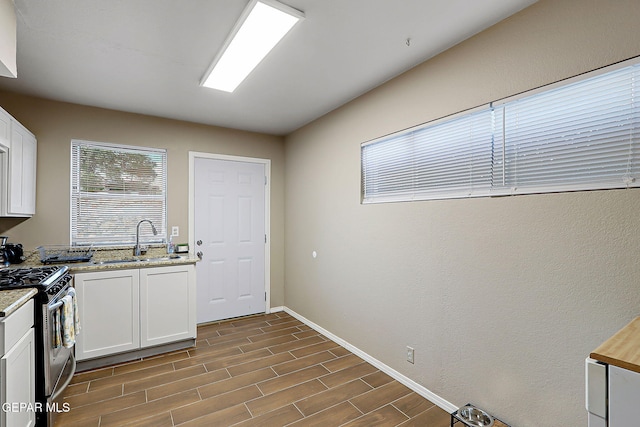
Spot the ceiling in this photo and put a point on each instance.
(148, 56)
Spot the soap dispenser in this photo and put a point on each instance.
(170, 247)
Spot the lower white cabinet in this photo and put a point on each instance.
(624, 396)
(108, 306)
(124, 310)
(167, 305)
(17, 369)
(18, 373)
(613, 394)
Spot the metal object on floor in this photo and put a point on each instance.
(472, 416)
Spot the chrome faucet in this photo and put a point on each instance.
(137, 250)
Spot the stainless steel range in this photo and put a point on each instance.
(55, 363)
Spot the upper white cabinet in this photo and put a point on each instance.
(18, 153)
(22, 170)
(5, 129)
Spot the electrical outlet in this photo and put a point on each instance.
(410, 354)
(175, 231)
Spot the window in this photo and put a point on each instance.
(450, 158)
(578, 135)
(113, 187)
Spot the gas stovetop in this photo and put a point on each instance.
(49, 279)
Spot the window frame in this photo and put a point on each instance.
(437, 126)
(146, 234)
(501, 138)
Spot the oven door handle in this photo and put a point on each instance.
(61, 389)
(55, 306)
(58, 304)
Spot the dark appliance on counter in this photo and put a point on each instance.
(55, 364)
(13, 253)
(10, 253)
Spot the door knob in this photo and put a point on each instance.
(199, 243)
(199, 254)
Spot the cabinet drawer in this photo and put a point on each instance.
(13, 327)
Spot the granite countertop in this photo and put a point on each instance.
(13, 299)
(156, 256)
(622, 349)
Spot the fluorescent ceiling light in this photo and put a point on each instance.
(260, 27)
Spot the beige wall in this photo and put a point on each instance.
(502, 298)
(8, 39)
(55, 124)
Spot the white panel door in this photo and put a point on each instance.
(229, 230)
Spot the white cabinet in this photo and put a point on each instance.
(5, 128)
(18, 154)
(108, 304)
(624, 396)
(17, 368)
(21, 197)
(613, 379)
(124, 310)
(167, 301)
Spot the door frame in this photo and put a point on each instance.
(193, 155)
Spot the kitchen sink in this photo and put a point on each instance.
(115, 261)
(136, 260)
(162, 258)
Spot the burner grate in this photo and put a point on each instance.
(12, 278)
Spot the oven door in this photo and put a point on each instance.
(56, 355)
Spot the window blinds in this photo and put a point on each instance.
(114, 187)
(581, 136)
(577, 136)
(446, 159)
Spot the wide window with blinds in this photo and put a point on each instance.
(113, 187)
(581, 134)
(447, 159)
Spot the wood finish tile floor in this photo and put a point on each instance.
(265, 370)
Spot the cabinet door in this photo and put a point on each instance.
(167, 304)
(22, 172)
(5, 128)
(624, 395)
(17, 369)
(108, 303)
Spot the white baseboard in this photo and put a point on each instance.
(275, 309)
(422, 391)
